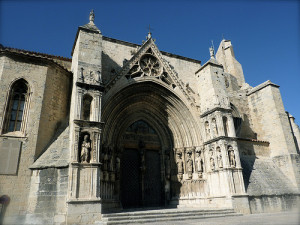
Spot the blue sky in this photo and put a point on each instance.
(265, 34)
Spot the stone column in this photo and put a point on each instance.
(231, 128)
(224, 151)
(220, 125)
(79, 103)
(97, 109)
(96, 147)
(237, 155)
(75, 151)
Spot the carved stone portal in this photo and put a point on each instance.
(85, 150)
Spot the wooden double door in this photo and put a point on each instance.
(141, 183)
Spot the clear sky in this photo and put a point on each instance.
(265, 34)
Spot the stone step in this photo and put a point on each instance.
(164, 215)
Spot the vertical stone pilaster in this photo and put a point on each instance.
(220, 125)
(231, 126)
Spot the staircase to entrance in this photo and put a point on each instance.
(163, 215)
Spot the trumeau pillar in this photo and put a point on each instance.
(224, 172)
(85, 125)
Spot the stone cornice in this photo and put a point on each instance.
(90, 124)
(33, 57)
(213, 110)
(98, 87)
(162, 52)
(210, 62)
(220, 138)
(261, 86)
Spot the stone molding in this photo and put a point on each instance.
(261, 86)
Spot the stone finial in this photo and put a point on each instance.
(92, 17)
(149, 33)
(212, 52)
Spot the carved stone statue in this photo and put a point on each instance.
(111, 163)
(199, 162)
(85, 149)
(231, 156)
(99, 77)
(212, 164)
(207, 130)
(219, 158)
(179, 163)
(211, 52)
(167, 167)
(189, 164)
(214, 127)
(92, 17)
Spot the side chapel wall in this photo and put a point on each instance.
(17, 186)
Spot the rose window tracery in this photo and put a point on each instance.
(150, 65)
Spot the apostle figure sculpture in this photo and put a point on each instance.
(189, 164)
(219, 158)
(214, 127)
(231, 156)
(85, 149)
(179, 163)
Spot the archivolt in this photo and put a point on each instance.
(158, 106)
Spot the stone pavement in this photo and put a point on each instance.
(280, 218)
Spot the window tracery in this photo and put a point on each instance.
(17, 107)
(149, 65)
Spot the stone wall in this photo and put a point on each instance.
(35, 71)
(274, 203)
(48, 196)
(17, 186)
(269, 119)
(55, 110)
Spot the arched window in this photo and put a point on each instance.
(86, 107)
(15, 117)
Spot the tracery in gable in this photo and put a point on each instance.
(149, 65)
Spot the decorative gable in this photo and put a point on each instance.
(149, 62)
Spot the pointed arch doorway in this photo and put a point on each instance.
(141, 175)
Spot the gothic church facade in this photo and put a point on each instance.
(121, 126)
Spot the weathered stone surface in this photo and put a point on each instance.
(133, 118)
